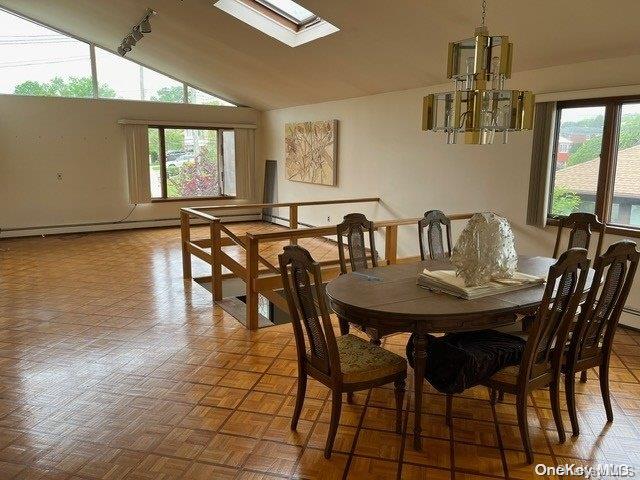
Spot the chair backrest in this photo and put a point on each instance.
(581, 226)
(352, 229)
(562, 295)
(433, 245)
(601, 311)
(300, 276)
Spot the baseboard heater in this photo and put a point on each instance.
(106, 226)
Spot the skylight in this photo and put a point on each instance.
(284, 20)
(290, 10)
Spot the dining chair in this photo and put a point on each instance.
(592, 338)
(344, 364)
(433, 245)
(540, 364)
(352, 230)
(581, 226)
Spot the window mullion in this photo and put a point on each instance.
(219, 139)
(163, 162)
(607, 162)
(94, 70)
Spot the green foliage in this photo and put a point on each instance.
(586, 151)
(77, 87)
(629, 137)
(585, 126)
(170, 94)
(564, 202)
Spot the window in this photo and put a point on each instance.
(36, 60)
(191, 163)
(596, 165)
(202, 98)
(131, 81)
(284, 20)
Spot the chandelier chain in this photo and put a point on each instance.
(484, 11)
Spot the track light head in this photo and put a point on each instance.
(126, 47)
(136, 33)
(121, 51)
(130, 40)
(145, 25)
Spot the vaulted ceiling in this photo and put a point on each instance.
(382, 45)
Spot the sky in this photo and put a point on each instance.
(31, 52)
(580, 113)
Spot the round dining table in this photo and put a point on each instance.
(388, 300)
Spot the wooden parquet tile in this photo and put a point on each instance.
(113, 367)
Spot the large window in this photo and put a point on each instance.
(35, 60)
(191, 163)
(131, 81)
(38, 61)
(597, 160)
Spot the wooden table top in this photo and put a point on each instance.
(397, 296)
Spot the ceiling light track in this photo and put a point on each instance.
(138, 31)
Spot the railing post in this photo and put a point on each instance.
(185, 232)
(293, 221)
(252, 275)
(391, 244)
(216, 262)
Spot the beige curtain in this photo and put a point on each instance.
(137, 154)
(245, 140)
(541, 161)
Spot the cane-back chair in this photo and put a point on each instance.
(581, 227)
(352, 231)
(541, 360)
(344, 364)
(430, 235)
(592, 338)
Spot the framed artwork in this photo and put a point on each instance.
(311, 151)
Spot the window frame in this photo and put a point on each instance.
(162, 158)
(608, 158)
(297, 24)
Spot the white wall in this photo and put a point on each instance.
(382, 152)
(81, 138)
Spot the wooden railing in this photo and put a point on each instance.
(266, 280)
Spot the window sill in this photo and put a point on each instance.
(610, 229)
(192, 199)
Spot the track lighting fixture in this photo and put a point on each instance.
(137, 33)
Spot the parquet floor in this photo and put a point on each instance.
(112, 367)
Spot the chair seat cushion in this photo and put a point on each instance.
(459, 361)
(362, 361)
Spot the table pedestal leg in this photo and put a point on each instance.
(344, 325)
(420, 361)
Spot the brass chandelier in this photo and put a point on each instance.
(479, 106)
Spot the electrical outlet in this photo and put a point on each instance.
(59, 176)
(328, 219)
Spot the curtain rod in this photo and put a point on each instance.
(187, 124)
(618, 90)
